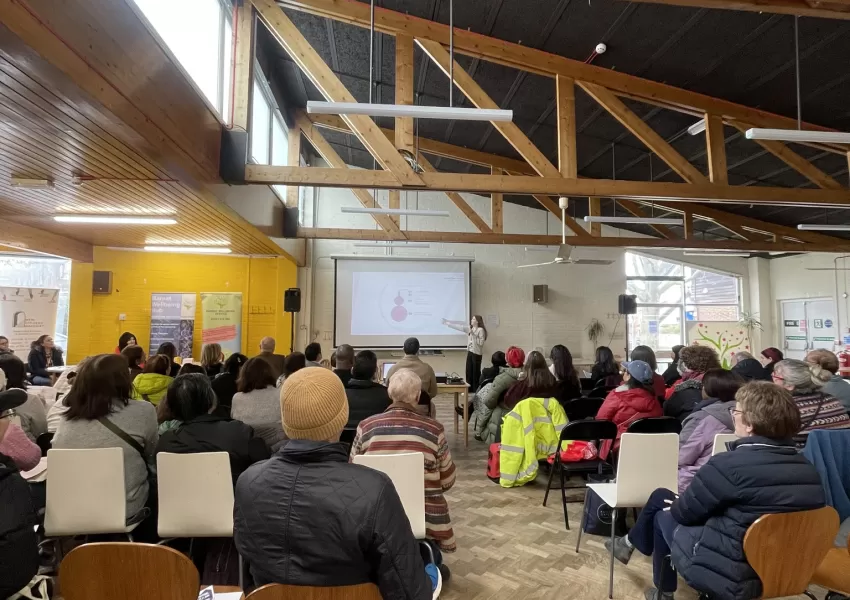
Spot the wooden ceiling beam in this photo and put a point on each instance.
(825, 10)
(496, 208)
(595, 210)
(552, 206)
(458, 201)
(715, 143)
(14, 234)
(243, 66)
(566, 118)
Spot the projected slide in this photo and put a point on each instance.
(406, 303)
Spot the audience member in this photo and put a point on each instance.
(568, 386)
(224, 384)
(152, 383)
(187, 368)
(605, 371)
(535, 382)
(412, 362)
(191, 401)
(101, 415)
(401, 429)
(710, 417)
(746, 366)
(308, 517)
(126, 339)
(344, 362)
(836, 387)
(671, 375)
(694, 361)
(62, 387)
(32, 413)
(700, 534)
(257, 402)
(313, 354)
(365, 396)
(818, 410)
(134, 356)
(497, 362)
(647, 355)
(19, 557)
(769, 358)
(14, 443)
(212, 359)
(294, 363)
(267, 347)
(333, 360)
(634, 399)
(4, 345)
(170, 350)
(490, 420)
(476, 334)
(43, 355)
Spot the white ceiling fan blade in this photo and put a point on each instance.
(536, 265)
(590, 261)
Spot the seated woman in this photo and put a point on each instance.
(497, 362)
(224, 384)
(633, 400)
(43, 355)
(126, 339)
(62, 387)
(135, 358)
(536, 382)
(101, 395)
(401, 429)
(817, 409)
(769, 358)
(19, 560)
(32, 413)
(647, 355)
(190, 400)
(490, 419)
(710, 417)
(170, 350)
(702, 531)
(151, 384)
(568, 386)
(748, 368)
(212, 359)
(605, 370)
(293, 363)
(257, 402)
(694, 361)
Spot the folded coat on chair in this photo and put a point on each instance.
(829, 452)
(530, 433)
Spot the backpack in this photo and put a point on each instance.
(494, 473)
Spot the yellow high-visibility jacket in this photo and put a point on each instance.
(530, 433)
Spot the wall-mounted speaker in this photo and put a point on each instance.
(540, 294)
(101, 282)
(292, 300)
(627, 304)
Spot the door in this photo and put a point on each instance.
(794, 340)
(821, 329)
(806, 325)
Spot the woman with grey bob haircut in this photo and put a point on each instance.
(405, 386)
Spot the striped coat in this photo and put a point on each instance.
(819, 411)
(399, 429)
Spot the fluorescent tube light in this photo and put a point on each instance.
(113, 220)
(718, 253)
(394, 211)
(188, 249)
(403, 110)
(799, 135)
(25, 182)
(392, 245)
(697, 128)
(813, 227)
(636, 220)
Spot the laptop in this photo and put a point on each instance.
(386, 369)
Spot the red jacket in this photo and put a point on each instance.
(658, 386)
(625, 407)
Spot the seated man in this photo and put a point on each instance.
(344, 361)
(412, 361)
(308, 517)
(702, 532)
(267, 347)
(365, 396)
(313, 354)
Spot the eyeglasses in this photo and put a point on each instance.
(735, 411)
(775, 376)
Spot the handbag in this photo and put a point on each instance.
(577, 452)
(598, 517)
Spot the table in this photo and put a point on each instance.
(460, 391)
(59, 369)
(225, 589)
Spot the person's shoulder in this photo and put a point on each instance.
(138, 408)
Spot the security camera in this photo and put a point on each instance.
(601, 48)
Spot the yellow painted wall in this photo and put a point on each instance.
(93, 325)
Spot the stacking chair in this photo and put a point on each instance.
(277, 591)
(833, 573)
(85, 493)
(128, 571)
(785, 549)
(656, 425)
(582, 408)
(646, 462)
(589, 431)
(720, 441)
(601, 391)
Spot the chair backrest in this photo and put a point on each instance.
(582, 408)
(128, 571)
(647, 462)
(45, 441)
(85, 492)
(785, 549)
(348, 434)
(656, 425)
(720, 441)
(277, 591)
(195, 495)
(601, 391)
(407, 471)
(586, 383)
(589, 430)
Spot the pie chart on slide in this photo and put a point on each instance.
(399, 312)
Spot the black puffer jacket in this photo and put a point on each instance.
(684, 399)
(308, 517)
(365, 398)
(18, 546)
(759, 476)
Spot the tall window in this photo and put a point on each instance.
(40, 272)
(669, 294)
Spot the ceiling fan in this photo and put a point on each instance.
(565, 250)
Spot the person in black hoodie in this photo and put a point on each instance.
(224, 383)
(702, 531)
(694, 361)
(748, 367)
(488, 374)
(365, 396)
(344, 362)
(43, 354)
(671, 375)
(18, 543)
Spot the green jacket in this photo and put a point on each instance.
(151, 387)
(506, 378)
(530, 433)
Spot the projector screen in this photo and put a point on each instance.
(379, 303)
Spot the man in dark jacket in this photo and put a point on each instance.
(267, 346)
(18, 545)
(365, 396)
(344, 363)
(703, 530)
(672, 375)
(308, 517)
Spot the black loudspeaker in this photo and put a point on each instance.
(101, 282)
(540, 294)
(627, 303)
(292, 300)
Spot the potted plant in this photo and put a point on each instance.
(595, 330)
(750, 322)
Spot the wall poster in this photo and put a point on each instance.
(222, 320)
(26, 314)
(173, 320)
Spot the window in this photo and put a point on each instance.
(261, 114)
(42, 272)
(199, 35)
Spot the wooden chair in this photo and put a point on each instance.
(127, 571)
(785, 549)
(833, 573)
(277, 591)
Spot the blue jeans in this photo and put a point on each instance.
(39, 380)
(652, 536)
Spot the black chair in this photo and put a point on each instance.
(601, 391)
(656, 425)
(582, 408)
(45, 442)
(586, 384)
(588, 431)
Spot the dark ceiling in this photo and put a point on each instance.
(739, 56)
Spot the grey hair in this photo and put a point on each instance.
(803, 377)
(742, 355)
(405, 386)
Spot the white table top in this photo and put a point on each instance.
(59, 369)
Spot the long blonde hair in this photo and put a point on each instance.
(210, 355)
